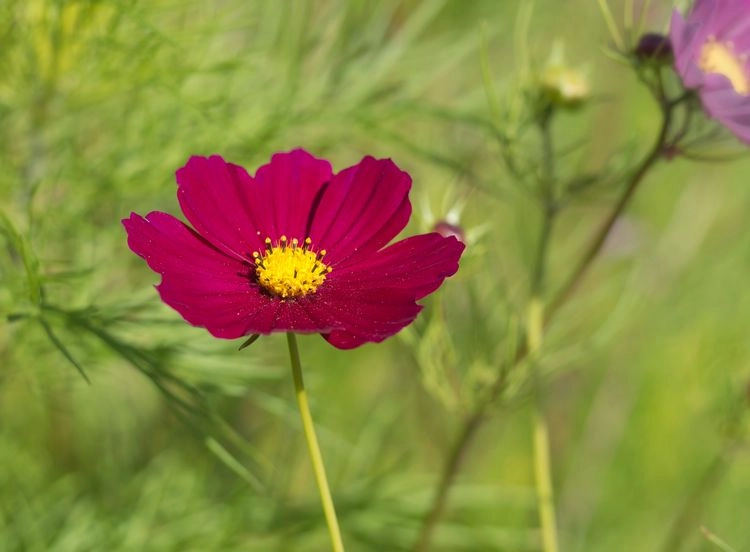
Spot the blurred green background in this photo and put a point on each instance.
(179, 442)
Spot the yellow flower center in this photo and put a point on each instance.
(290, 269)
(719, 57)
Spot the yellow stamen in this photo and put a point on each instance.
(287, 270)
(719, 57)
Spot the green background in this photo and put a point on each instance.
(179, 442)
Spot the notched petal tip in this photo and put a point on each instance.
(132, 219)
(387, 164)
(298, 153)
(138, 229)
(300, 160)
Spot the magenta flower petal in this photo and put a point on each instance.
(712, 56)
(418, 264)
(293, 249)
(377, 297)
(213, 196)
(201, 283)
(362, 209)
(207, 287)
(367, 315)
(285, 192)
(168, 245)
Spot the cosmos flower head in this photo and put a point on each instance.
(294, 248)
(712, 56)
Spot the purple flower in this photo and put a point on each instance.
(294, 248)
(712, 49)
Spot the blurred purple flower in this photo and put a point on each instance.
(712, 48)
(293, 248)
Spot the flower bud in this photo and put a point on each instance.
(562, 85)
(654, 48)
(447, 229)
(565, 87)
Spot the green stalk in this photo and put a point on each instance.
(534, 338)
(652, 157)
(542, 464)
(470, 427)
(312, 446)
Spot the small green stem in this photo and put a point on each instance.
(534, 339)
(469, 428)
(652, 157)
(542, 464)
(312, 446)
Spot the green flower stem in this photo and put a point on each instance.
(312, 446)
(542, 464)
(655, 154)
(534, 338)
(448, 477)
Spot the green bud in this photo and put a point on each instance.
(562, 85)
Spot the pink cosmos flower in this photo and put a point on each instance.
(712, 49)
(294, 248)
